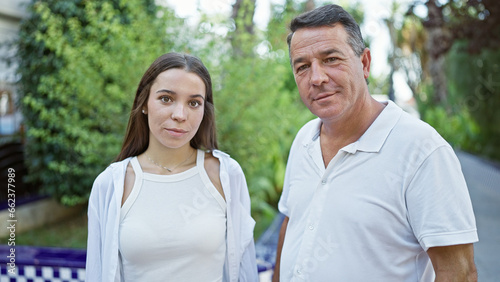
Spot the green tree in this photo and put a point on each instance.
(460, 55)
(259, 110)
(474, 90)
(79, 66)
(258, 119)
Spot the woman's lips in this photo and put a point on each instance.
(176, 132)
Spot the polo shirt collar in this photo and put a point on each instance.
(375, 136)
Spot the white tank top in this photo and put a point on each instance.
(173, 227)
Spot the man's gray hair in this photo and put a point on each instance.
(330, 15)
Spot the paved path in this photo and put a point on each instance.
(483, 179)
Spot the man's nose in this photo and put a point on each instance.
(318, 74)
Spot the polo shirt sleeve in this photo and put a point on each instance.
(438, 202)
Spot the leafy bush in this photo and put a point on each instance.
(457, 128)
(79, 65)
(258, 108)
(469, 118)
(474, 92)
(257, 120)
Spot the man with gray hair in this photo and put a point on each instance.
(371, 193)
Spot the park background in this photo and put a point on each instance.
(70, 71)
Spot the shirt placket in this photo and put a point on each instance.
(308, 256)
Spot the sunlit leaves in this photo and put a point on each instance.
(80, 62)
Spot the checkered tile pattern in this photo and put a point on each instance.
(30, 273)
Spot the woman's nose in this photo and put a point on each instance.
(179, 113)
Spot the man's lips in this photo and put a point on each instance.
(322, 96)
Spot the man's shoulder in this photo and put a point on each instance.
(309, 130)
(413, 136)
(413, 128)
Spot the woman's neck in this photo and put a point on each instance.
(161, 159)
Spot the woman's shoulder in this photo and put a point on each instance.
(212, 163)
(106, 176)
(226, 161)
(233, 178)
(106, 183)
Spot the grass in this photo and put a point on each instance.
(70, 233)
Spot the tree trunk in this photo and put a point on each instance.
(242, 15)
(243, 12)
(392, 56)
(438, 43)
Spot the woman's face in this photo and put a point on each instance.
(175, 108)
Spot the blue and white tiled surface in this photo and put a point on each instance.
(39, 264)
(31, 273)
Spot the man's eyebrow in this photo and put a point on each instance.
(298, 60)
(322, 53)
(331, 51)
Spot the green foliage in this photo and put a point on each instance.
(277, 28)
(378, 84)
(458, 128)
(474, 84)
(258, 108)
(257, 119)
(469, 120)
(80, 63)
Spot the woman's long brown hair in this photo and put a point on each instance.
(137, 136)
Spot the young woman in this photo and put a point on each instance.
(172, 207)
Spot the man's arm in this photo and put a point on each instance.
(453, 263)
(276, 274)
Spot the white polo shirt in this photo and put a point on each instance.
(378, 206)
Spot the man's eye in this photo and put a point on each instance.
(330, 60)
(302, 68)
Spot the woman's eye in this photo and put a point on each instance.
(194, 103)
(165, 99)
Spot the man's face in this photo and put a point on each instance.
(330, 78)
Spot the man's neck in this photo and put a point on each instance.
(339, 133)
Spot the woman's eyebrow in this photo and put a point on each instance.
(197, 95)
(166, 90)
(171, 92)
